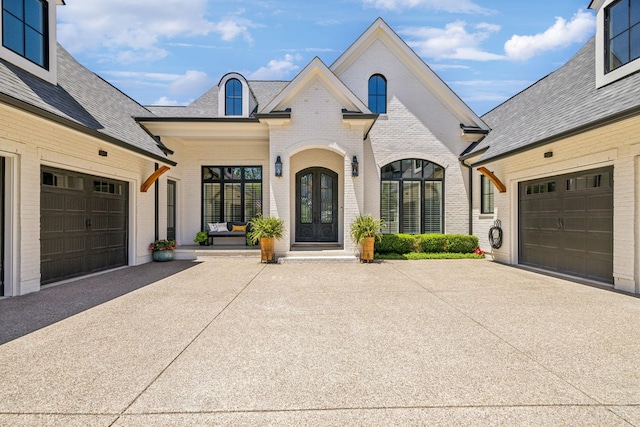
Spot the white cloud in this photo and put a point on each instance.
(277, 69)
(561, 34)
(128, 31)
(164, 101)
(190, 83)
(452, 42)
(234, 26)
(456, 6)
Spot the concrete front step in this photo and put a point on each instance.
(296, 256)
(326, 256)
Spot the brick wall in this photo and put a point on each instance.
(29, 142)
(617, 145)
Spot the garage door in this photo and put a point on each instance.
(566, 224)
(83, 224)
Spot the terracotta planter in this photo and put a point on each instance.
(161, 256)
(267, 249)
(368, 244)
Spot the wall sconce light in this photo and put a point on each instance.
(548, 154)
(102, 153)
(278, 167)
(354, 167)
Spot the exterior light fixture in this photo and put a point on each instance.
(102, 153)
(278, 167)
(354, 167)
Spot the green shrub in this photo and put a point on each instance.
(426, 243)
(431, 243)
(442, 255)
(460, 243)
(395, 243)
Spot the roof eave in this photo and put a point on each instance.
(9, 100)
(252, 119)
(626, 114)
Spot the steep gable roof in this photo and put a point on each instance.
(565, 102)
(380, 30)
(317, 70)
(80, 100)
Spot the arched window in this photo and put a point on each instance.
(233, 98)
(378, 94)
(412, 197)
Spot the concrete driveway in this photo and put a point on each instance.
(235, 342)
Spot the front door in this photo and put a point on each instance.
(316, 205)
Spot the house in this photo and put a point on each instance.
(90, 177)
(72, 161)
(564, 155)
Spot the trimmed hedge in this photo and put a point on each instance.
(395, 244)
(427, 243)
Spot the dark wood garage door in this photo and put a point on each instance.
(566, 224)
(83, 224)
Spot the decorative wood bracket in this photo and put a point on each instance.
(153, 178)
(494, 179)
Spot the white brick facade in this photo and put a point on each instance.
(616, 145)
(319, 120)
(28, 142)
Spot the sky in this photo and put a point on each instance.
(171, 52)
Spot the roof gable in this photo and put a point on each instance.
(380, 31)
(316, 70)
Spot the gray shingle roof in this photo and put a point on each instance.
(83, 98)
(207, 105)
(563, 101)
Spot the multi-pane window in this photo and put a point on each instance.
(24, 29)
(378, 94)
(412, 197)
(231, 193)
(486, 195)
(233, 98)
(622, 32)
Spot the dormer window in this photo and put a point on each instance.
(378, 94)
(24, 29)
(233, 98)
(622, 32)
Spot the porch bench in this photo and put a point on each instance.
(226, 229)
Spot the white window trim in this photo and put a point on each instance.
(222, 95)
(602, 78)
(50, 75)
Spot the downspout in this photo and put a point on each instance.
(463, 159)
(157, 206)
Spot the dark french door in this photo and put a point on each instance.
(316, 205)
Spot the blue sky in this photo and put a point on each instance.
(171, 52)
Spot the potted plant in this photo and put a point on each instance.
(266, 229)
(202, 238)
(162, 250)
(365, 229)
